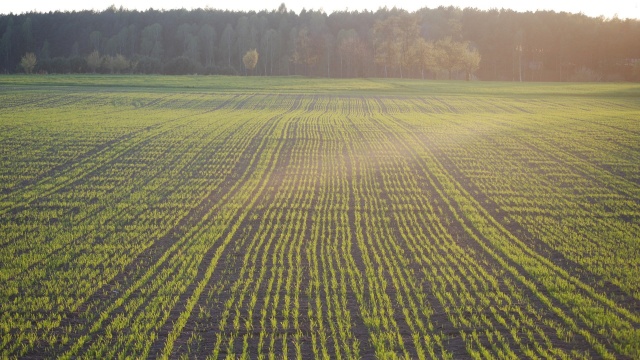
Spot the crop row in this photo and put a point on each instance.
(276, 226)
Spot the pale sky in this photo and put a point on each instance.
(622, 8)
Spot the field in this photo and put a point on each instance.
(262, 218)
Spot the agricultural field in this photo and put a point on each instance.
(275, 218)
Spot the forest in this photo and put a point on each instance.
(438, 43)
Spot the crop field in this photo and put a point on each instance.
(278, 218)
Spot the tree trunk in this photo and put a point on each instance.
(520, 65)
(328, 65)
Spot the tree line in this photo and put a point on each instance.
(444, 42)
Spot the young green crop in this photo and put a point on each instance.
(273, 218)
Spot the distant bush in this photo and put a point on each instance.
(585, 74)
(615, 77)
(57, 65)
(218, 70)
(78, 64)
(181, 65)
(227, 70)
(148, 65)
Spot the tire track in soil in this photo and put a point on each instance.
(131, 149)
(80, 220)
(176, 160)
(451, 109)
(519, 268)
(391, 291)
(306, 301)
(78, 162)
(455, 344)
(303, 238)
(62, 100)
(97, 171)
(577, 169)
(360, 329)
(71, 243)
(94, 151)
(607, 126)
(157, 249)
(229, 272)
(325, 263)
(597, 282)
(305, 345)
(226, 275)
(267, 197)
(29, 102)
(206, 278)
(197, 215)
(318, 261)
(159, 344)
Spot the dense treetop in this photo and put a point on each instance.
(540, 46)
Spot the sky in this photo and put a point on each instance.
(621, 8)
